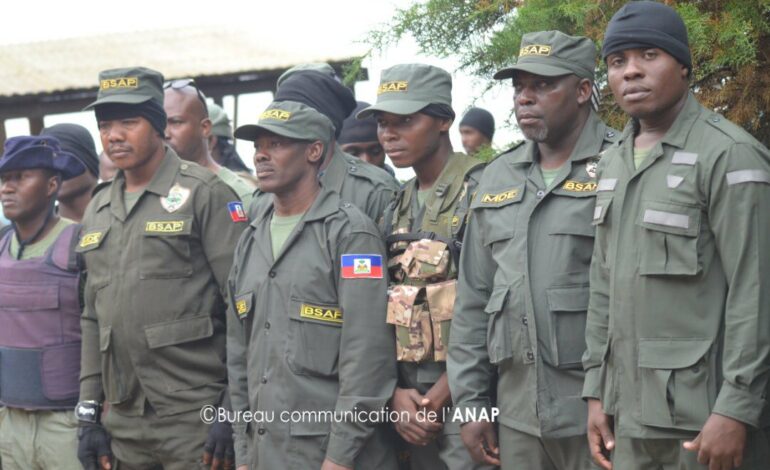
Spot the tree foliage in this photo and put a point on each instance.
(729, 40)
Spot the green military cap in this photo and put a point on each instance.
(132, 85)
(553, 53)
(289, 119)
(408, 88)
(322, 67)
(220, 123)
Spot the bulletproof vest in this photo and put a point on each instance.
(40, 325)
(423, 252)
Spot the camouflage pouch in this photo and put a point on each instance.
(412, 322)
(441, 303)
(426, 259)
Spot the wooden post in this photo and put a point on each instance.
(35, 125)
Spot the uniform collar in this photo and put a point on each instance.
(326, 203)
(165, 175)
(334, 174)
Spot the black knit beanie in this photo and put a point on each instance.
(358, 130)
(481, 120)
(647, 24)
(76, 140)
(321, 92)
(149, 110)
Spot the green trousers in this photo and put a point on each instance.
(519, 450)
(668, 454)
(38, 440)
(151, 442)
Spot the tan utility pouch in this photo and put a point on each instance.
(414, 341)
(426, 259)
(441, 303)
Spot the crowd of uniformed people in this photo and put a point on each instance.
(590, 298)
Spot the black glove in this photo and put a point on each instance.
(93, 443)
(218, 451)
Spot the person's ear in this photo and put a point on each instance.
(446, 124)
(206, 128)
(54, 183)
(584, 90)
(315, 152)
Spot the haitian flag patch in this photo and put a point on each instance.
(236, 211)
(362, 267)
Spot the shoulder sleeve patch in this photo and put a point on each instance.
(360, 266)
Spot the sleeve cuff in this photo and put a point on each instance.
(592, 384)
(739, 404)
(241, 444)
(91, 389)
(340, 451)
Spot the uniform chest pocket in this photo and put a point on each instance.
(315, 332)
(165, 248)
(669, 239)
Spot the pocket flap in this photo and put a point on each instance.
(671, 353)
(425, 251)
(401, 299)
(677, 219)
(104, 337)
(497, 299)
(316, 312)
(168, 225)
(178, 331)
(567, 299)
(441, 299)
(91, 239)
(311, 427)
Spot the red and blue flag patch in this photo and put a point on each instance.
(236, 211)
(362, 267)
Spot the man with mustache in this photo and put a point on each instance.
(678, 330)
(158, 243)
(307, 319)
(523, 288)
(424, 228)
(40, 279)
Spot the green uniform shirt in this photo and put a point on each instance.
(154, 319)
(242, 188)
(280, 229)
(129, 199)
(315, 340)
(679, 317)
(523, 289)
(39, 248)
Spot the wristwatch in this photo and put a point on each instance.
(88, 411)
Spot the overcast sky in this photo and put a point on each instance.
(328, 26)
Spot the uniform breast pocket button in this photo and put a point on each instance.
(267, 325)
(271, 274)
(530, 356)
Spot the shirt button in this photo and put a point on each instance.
(524, 320)
(353, 169)
(264, 379)
(540, 193)
(530, 356)
(261, 431)
(184, 166)
(267, 325)
(271, 274)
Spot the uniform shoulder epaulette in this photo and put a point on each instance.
(367, 171)
(199, 173)
(359, 222)
(612, 135)
(735, 132)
